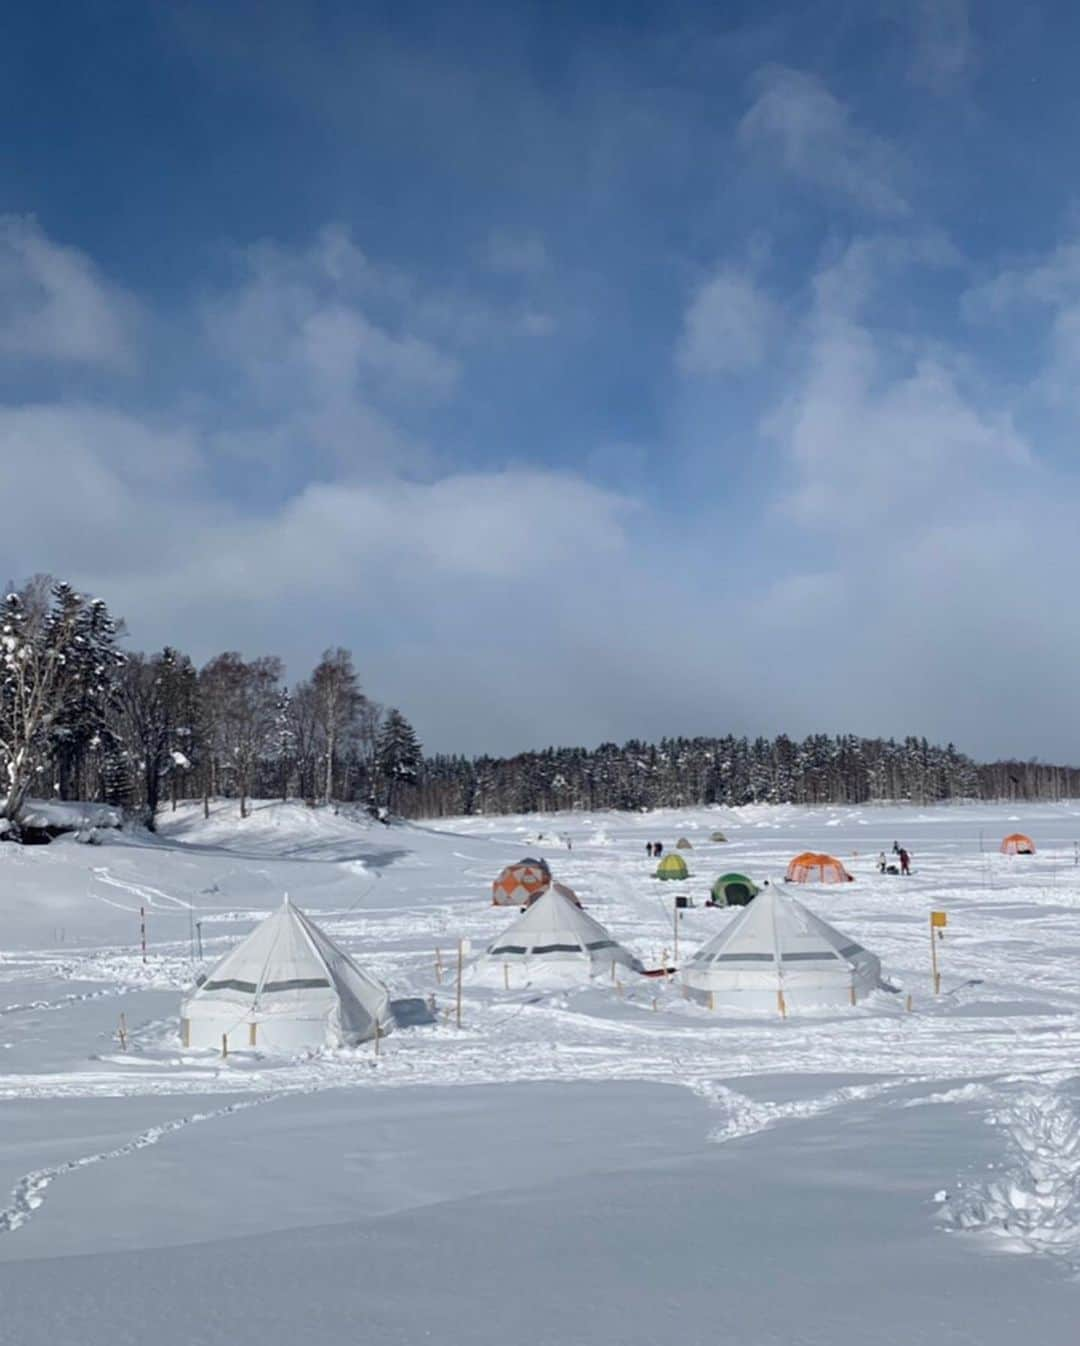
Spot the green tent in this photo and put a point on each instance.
(734, 890)
(672, 867)
(718, 836)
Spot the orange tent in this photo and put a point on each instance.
(1017, 844)
(559, 888)
(519, 884)
(810, 867)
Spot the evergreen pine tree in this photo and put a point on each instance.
(398, 757)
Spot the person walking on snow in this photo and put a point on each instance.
(658, 848)
(881, 862)
(905, 862)
(648, 848)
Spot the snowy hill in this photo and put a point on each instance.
(670, 1164)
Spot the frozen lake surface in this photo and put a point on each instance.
(603, 1164)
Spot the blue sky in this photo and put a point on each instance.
(592, 371)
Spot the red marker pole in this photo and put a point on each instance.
(142, 931)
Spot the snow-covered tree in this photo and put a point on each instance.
(398, 757)
(338, 700)
(156, 704)
(58, 672)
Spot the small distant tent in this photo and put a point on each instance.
(554, 937)
(812, 867)
(776, 955)
(519, 884)
(672, 866)
(286, 987)
(1017, 844)
(684, 845)
(718, 836)
(734, 890)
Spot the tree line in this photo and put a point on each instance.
(732, 771)
(82, 719)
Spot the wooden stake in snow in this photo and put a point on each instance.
(853, 988)
(185, 1032)
(506, 976)
(438, 966)
(676, 955)
(463, 948)
(224, 1045)
(909, 1004)
(938, 921)
(781, 1003)
(378, 1035)
(251, 1033)
(122, 1032)
(142, 931)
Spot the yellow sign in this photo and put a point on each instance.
(938, 919)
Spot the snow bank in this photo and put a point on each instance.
(1034, 1205)
(68, 816)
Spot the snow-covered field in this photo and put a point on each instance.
(609, 1164)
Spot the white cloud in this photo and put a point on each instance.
(470, 600)
(797, 118)
(306, 320)
(1042, 286)
(880, 425)
(56, 306)
(728, 325)
(897, 579)
(1052, 280)
(944, 49)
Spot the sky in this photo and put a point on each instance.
(591, 371)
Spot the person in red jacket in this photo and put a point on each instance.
(905, 862)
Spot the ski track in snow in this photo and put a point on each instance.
(28, 1194)
(66, 1002)
(747, 1117)
(143, 892)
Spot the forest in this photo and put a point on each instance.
(83, 718)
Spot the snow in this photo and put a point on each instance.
(575, 1164)
(72, 816)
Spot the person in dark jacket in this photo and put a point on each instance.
(648, 848)
(658, 848)
(905, 862)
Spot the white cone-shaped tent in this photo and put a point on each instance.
(776, 946)
(285, 988)
(555, 939)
